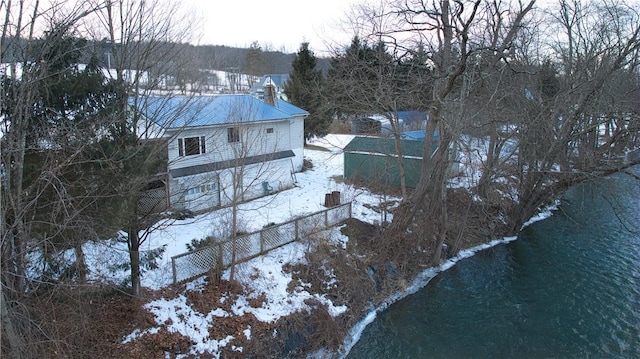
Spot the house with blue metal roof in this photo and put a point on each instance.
(227, 148)
(278, 80)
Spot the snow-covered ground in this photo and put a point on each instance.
(263, 276)
(106, 260)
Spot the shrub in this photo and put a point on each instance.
(199, 243)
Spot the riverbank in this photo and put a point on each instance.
(421, 279)
(305, 299)
(568, 287)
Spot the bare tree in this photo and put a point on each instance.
(145, 38)
(589, 121)
(444, 30)
(254, 170)
(543, 101)
(384, 87)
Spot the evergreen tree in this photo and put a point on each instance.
(548, 83)
(62, 122)
(303, 90)
(69, 98)
(254, 62)
(414, 80)
(361, 81)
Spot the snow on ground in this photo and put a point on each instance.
(260, 276)
(107, 259)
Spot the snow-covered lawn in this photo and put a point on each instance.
(263, 276)
(106, 259)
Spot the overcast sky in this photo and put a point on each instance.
(277, 23)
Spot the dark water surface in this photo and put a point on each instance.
(568, 287)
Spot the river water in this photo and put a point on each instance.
(568, 287)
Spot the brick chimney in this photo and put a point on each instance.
(270, 95)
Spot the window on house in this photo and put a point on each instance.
(210, 187)
(233, 134)
(206, 188)
(190, 146)
(195, 192)
(270, 130)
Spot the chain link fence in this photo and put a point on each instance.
(223, 254)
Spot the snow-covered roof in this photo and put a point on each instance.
(194, 111)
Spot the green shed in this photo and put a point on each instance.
(375, 160)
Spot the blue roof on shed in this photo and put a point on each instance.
(189, 111)
(417, 135)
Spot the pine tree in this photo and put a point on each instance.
(254, 63)
(361, 80)
(303, 90)
(62, 119)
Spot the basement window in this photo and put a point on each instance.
(197, 191)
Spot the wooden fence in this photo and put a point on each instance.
(219, 255)
(153, 201)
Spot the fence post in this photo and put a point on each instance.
(297, 229)
(262, 241)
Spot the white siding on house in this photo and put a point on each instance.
(276, 173)
(202, 154)
(146, 130)
(196, 193)
(262, 138)
(296, 140)
(254, 141)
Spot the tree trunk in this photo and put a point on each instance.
(234, 220)
(406, 212)
(15, 199)
(489, 165)
(134, 257)
(13, 338)
(437, 202)
(395, 126)
(81, 265)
